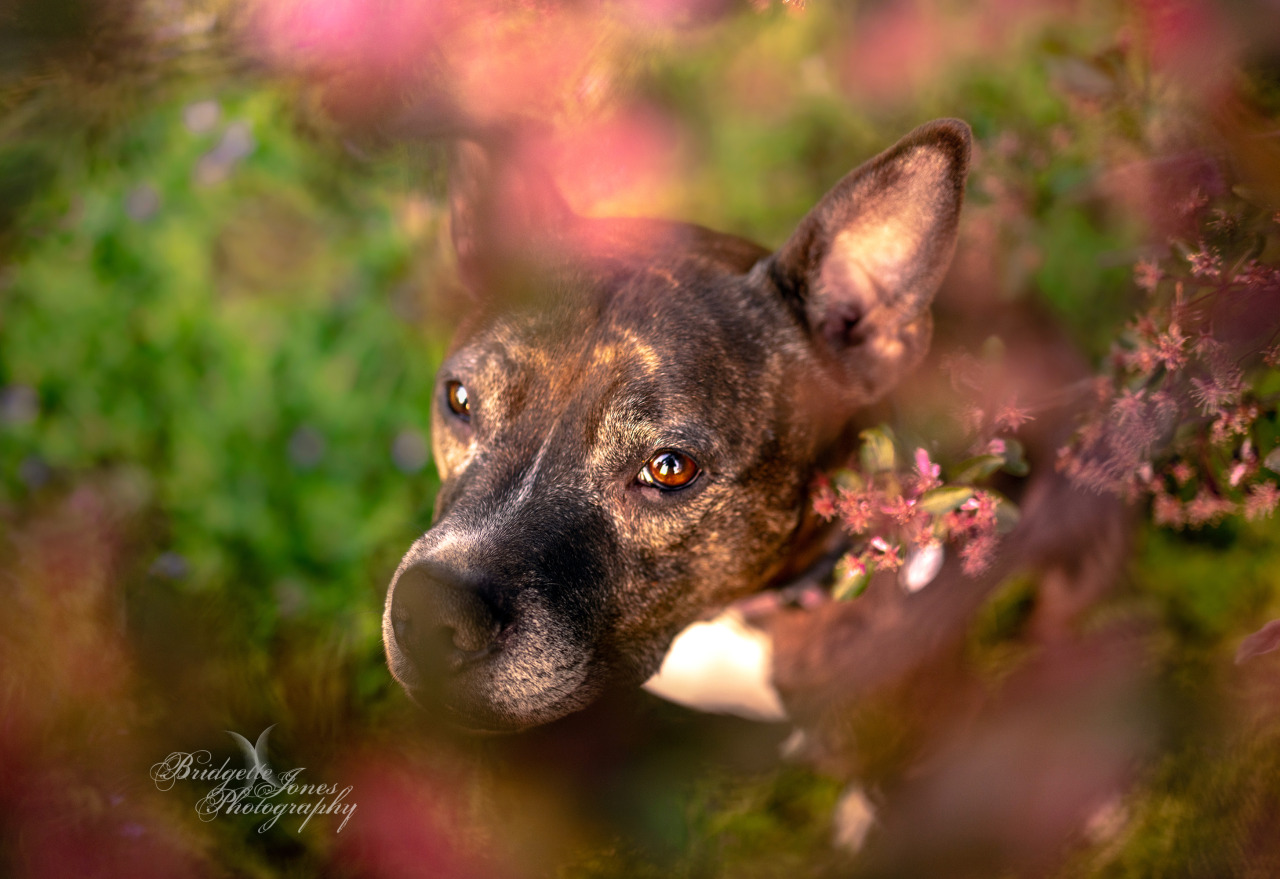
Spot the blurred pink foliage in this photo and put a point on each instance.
(1193, 42)
(895, 50)
(436, 70)
(1186, 415)
(73, 778)
(413, 822)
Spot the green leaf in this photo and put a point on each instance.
(1015, 459)
(877, 450)
(1007, 513)
(851, 579)
(979, 468)
(941, 501)
(1012, 461)
(848, 480)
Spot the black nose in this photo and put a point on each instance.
(441, 619)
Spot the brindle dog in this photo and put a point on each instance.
(628, 424)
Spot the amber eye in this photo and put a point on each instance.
(459, 400)
(669, 470)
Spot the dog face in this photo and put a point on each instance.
(626, 427)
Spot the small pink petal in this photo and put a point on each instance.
(1262, 641)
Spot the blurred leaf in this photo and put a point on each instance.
(877, 450)
(979, 468)
(1015, 460)
(847, 479)
(851, 580)
(940, 501)
(1007, 513)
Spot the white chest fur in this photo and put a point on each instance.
(722, 666)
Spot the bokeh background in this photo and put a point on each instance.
(226, 280)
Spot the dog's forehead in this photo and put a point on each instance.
(651, 334)
(651, 322)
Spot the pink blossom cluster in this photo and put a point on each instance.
(1187, 416)
(896, 516)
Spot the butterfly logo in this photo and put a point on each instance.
(255, 756)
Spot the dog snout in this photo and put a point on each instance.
(441, 619)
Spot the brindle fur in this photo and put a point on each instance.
(549, 569)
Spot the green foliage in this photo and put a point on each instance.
(231, 338)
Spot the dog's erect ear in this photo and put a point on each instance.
(504, 206)
(863, 266)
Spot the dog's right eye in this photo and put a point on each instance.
(455, 393)
(668, 470)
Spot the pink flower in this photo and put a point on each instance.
(1182, 472)
(1130, 406)
(1169, 349)
(887, 557)
(1166, 406)
(1011, 417)
(1147, 275)
(927, 472)
(1206, 508)
(1205, 264)
(1145, 327)
(1255, 274)
(982, 506)
(1212, 395)
(824, 499)
(1236, 422)
(1143, 360)
(900, 510)
(976, 555)
(1193, 202)
(1167, 510)
(857, 510)
(919, 531)
(1262, 500)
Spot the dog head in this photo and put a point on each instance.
(627, 425)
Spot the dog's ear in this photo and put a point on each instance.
(862, 267)
(504, 206)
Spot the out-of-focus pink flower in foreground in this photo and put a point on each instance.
(413, 822)
(625, 157)
(450, 68)
(340, 33)
(485, 60)
(898, 48)
(1190, 40)
(366, 52)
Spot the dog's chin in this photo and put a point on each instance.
(505, 694)
(484, 713)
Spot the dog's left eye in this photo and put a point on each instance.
(669, 470)
(459, 400)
